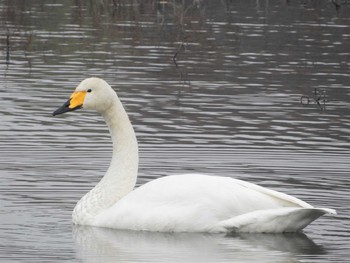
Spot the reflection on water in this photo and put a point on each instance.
(211, 87)
(110, 245)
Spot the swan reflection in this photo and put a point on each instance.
(95, 244)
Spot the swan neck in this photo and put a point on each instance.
(124, 163)
(120, 178)
(119, 125)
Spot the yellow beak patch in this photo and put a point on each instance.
(77, 99)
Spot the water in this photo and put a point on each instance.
(230, 106)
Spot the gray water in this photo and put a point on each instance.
(210, 86)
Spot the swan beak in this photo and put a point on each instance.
(75, 102)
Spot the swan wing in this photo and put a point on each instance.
(286, 219)
(191, 203)
(293, 201)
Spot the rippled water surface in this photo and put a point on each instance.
(211, 87)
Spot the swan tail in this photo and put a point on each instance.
(279, 220)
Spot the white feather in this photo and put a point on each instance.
(178, 203)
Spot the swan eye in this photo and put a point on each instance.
(89, 90)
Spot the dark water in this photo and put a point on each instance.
(229, 105)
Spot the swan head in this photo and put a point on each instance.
(91, 93)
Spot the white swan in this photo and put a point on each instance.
(178, 203)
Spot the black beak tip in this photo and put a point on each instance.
(55, 113)
(64, 108)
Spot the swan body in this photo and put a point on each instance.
(177, 203)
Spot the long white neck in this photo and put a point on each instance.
(120, 178)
